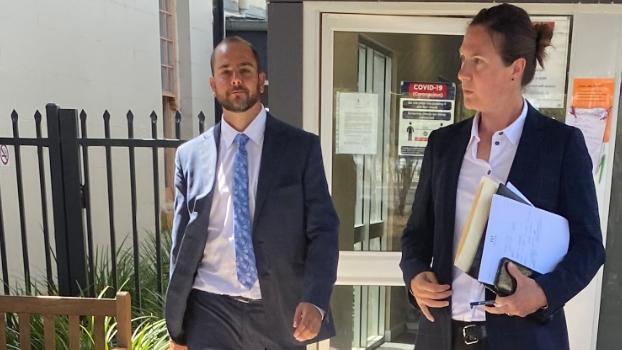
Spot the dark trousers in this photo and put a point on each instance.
(220, 322)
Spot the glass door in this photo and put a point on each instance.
(376, 110)
(374, 77)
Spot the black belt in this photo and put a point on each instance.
(472, 332)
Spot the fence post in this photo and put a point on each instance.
(66, 198)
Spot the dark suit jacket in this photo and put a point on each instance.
(553, 169)
(294, 229)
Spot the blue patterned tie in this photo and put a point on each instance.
(244, 254)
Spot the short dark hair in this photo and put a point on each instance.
(515, 36)
(240, 40)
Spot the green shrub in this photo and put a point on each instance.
(149, 328)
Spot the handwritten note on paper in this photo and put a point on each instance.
(531, 236)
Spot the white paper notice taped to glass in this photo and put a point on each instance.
(592, 122)
(357, 123)
(548, 87)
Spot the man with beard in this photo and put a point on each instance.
(255, 248)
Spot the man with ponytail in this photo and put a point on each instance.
(508, 140)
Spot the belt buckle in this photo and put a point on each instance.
(241, 299)
(468, 338)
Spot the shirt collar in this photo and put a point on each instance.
(513, 131)
(255, 130)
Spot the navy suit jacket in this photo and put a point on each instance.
(295, 227)
(552, 168)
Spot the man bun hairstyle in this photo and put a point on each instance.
(544, 35)
(515, 36)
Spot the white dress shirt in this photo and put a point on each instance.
(217, 270)
(503, 149)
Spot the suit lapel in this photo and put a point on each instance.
(204, 179)
(450, 165)
(527, 158)
(454, 156)
(217, 135)
(273, 146)
(208, 168)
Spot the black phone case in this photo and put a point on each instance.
(505, 284)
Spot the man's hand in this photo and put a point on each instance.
(428, 293)
(527, 299)
(174, 346)
(307, 322)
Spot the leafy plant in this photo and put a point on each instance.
(149, 327)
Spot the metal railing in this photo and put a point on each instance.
(69, 147)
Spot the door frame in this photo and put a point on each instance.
(315, 80)
(365, 268)
(353, 264)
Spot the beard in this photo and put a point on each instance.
(241, 104)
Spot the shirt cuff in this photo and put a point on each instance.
(322, 312)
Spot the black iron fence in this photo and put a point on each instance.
(68, 147)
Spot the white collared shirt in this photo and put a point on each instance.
(217, 270)
(465, 289)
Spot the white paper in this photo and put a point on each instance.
(528, 235)
(592, 123)
(357, 123)
(548, 87)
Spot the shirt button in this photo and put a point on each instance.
(496, 143)
(500, 133)
(489, 171)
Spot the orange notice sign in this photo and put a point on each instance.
(592, 93)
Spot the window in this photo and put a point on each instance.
(167, 48)
(374, 76)
(168, 59)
